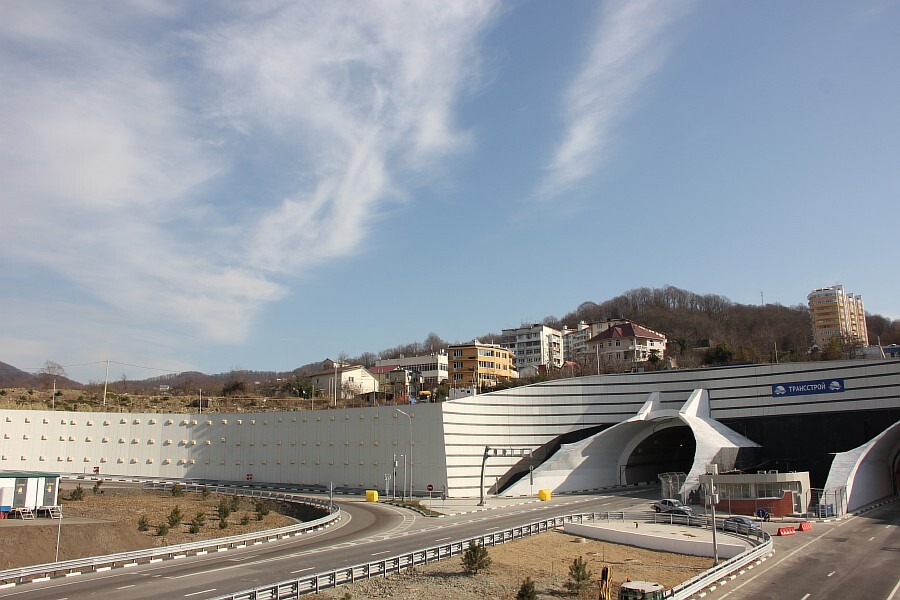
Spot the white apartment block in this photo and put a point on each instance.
(434, 368)
(836, 314)
(337, 380)
(534, 345)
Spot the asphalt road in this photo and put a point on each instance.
(366, 532)
(858, 557)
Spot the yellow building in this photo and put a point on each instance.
(835, 313)
(486, 364)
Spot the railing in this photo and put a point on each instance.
(310, 584)
(24, 574)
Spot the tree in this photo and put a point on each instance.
(527, 591)
(175, 517)
(476, 559)
(77, 493)
(50, 372)
(579, 575)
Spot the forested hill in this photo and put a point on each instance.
(691, 320)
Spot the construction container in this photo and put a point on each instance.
(544, 495)
(371, 495)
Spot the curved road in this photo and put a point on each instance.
(372, 530)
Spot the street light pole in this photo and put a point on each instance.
(713, 469)
(408, 416)
(58, 532)
(403, 490)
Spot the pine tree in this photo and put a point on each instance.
(527, 591)
(579, 575)
(476, 559)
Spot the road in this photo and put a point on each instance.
(858, 557)
(366, 532)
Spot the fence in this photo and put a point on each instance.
(70, 567)
(310, 584)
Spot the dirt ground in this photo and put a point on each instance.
(113, 527)
(115, 514)
(545, 558)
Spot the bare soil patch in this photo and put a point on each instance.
(116, 513)
(545, 558)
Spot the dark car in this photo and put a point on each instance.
(739, 524)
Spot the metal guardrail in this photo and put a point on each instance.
(310, 584)
(24, 574)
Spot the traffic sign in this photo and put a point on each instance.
(430, 488)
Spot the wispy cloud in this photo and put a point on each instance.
(629, 45)
(126, 129)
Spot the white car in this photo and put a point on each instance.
(672, 505)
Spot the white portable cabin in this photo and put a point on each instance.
(23, 490)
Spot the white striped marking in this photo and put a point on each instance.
(203, 592)
(805, 597)
(377, 553)
(125, 587)
(830, 574)
(301, 570)
(871, 538)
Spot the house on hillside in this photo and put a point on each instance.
(338, 380)
(628, 343)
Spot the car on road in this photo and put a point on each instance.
(672, 505)
(739, 524)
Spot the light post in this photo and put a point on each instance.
(58, 533)
(394, 480)
(408, 416)
(712, 500)
(403, 490)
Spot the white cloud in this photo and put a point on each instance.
(123, 127)
(629, 45)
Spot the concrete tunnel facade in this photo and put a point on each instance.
(612, 457)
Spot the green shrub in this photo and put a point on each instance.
(143, 523)
(579, 575)
(178, 490)
(162, 529)
(77, 493)
(245, 520)
(262, 509)
(96, 489)
(223, 523)
(200, 519)
(175, 517)
(527, 591)
(204, 492)
(476, 559)
(235, 503)
(224, 509)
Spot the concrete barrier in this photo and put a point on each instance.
(804, 526)
(655, 538)
(789, 530)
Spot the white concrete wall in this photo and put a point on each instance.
(655, 541)
(350, 447)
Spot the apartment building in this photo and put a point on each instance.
(627, 342)
(433, 368)
(575, 341)
(534, 345)
(480, 365)
(835, 313)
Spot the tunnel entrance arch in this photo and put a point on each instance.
(667, 449)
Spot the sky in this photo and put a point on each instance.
(259, 185)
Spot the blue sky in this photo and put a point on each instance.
(210, 185)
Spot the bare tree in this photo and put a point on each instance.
(51, 371)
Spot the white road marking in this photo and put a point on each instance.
(871, 538)
(442, 539)
(894, 591)
(805, 597)
(125, 587)
(203, 592)
(830, 574)
(377, 553)
(301, 570)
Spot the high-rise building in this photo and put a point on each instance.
(836, 314)
(534, 345)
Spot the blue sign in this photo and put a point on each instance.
(801, 388)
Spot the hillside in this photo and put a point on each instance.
(701, 329)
